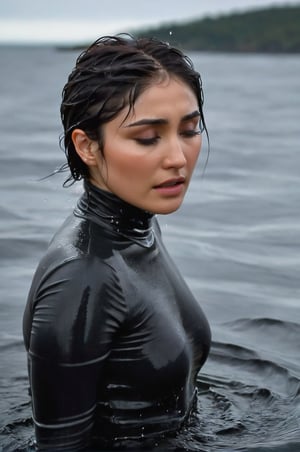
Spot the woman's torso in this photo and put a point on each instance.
(118, 316)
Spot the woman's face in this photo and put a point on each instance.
(150, 155)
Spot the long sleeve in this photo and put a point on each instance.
(74, 311)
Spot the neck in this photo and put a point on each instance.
(119, 217)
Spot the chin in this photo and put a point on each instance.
(167, 209)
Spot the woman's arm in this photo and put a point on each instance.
(72, 315)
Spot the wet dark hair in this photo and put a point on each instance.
(110, 75)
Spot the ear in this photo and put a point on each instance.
(85, 147)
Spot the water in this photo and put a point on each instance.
(236, 240)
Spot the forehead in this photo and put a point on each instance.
(165, 98)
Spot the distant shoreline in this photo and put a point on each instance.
(273, 30)
(269, 30)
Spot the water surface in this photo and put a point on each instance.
(236, 240)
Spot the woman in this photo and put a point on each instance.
(115, 339)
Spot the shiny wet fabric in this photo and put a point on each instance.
(115, 338)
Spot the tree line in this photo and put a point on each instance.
(270, 30)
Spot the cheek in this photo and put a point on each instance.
(194, 153)
(129, 166)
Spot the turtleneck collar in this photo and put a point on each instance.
(115, 215)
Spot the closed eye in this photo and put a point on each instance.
(190, 133)
(147, 141)
(192, 128)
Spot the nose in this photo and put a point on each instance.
(174, 155)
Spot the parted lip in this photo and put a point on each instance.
(171, 182)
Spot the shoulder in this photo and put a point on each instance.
(73, 252)
(74, 308)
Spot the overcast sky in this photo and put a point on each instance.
(71, 21)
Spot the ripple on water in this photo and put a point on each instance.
(246, 402)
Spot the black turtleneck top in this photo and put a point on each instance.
(115, 338)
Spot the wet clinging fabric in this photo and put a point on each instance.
(114, 337)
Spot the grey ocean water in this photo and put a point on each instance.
(236, 240)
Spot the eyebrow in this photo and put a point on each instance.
(162, 121)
